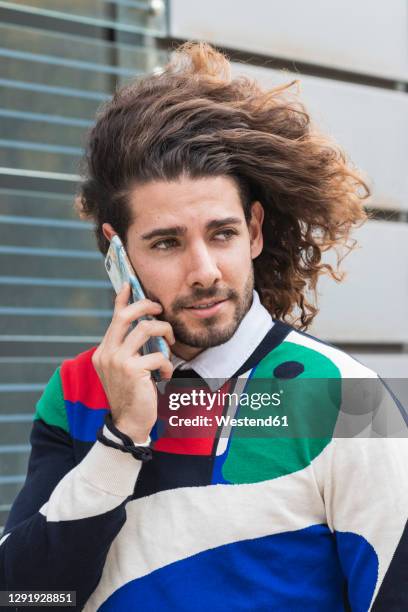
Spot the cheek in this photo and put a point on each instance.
(148, 277)
(162, 284)
(238, 260)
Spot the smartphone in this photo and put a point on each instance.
(120, 271)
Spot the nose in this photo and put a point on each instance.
(202, 266)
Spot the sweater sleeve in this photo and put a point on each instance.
(366, 499)
(65, 518)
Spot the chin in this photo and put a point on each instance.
(213, 335)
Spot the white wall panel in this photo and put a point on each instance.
(367, 36)
(370, 123)
(371, 304)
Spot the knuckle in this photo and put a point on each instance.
(160, 327)
(143, 326)
(122, 316)
(102, 364)
(144, 302)
(119, 301)
(113, 362)
(128, 368)
(170, 329)
(147, 305)
(139, 303)
(165, 362)
(167, 367)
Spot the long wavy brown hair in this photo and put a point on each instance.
(194, 119)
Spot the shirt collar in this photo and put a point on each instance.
(223, 360)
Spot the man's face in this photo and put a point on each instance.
(189, 244)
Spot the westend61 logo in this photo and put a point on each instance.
(203, 399)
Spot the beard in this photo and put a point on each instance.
(212, 333)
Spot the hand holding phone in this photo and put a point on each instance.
(120, 271)
(124, 361)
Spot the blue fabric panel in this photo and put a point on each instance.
(296, 571)
(84, 422)
(359, 562)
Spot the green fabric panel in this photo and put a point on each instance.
(51, 406)
(312, 411)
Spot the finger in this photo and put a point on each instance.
(141, 333)
(154, 361)
(121, 301)
(124, 316)
(123, 296)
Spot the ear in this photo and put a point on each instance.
(255, 228)
(108, 231)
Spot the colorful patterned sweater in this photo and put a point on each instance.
(237, 524)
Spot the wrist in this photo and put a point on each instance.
(141, 452)
(140, 436)
(114, 438)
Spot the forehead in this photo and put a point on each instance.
(185, 200)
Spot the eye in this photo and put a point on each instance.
(228, 234)
(163, 245)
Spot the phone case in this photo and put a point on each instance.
(120, 270)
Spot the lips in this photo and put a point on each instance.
(210, 311)
(208, 304)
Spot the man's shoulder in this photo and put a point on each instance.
(79, 367)
(74, 398)
(301, 353)
(80, 381)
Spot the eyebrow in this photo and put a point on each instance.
(180, 230)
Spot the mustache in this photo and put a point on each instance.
(201, 295)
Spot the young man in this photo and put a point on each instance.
(225, 199)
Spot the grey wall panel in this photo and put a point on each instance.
(370, 123)
(368, 36)
(13, 463)
(371, 304)
(386, 365)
